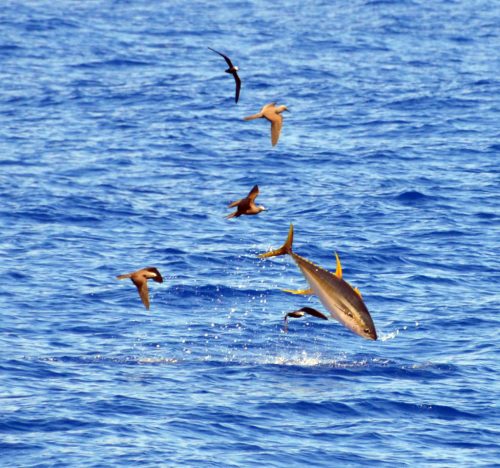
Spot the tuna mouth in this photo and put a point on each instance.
(370, 334)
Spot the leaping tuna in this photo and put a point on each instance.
(344, 302)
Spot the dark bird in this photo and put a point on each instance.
(300, 313)
(140, 279)
(273, 114)
(246, 206)
(233, 71)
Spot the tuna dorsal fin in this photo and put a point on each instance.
(299, 291)
(357, 291)
(338, 271)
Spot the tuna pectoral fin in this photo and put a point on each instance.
(286, 248)
(299, 291)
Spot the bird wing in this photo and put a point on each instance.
(233, 204)
(158, 278)
(226, 58)
(314, 313)
(295, 314)
(271, 104)
(300, 313)
(252, 195)
(276, 124)
(238, 86)
(142, 287)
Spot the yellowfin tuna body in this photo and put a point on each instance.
(336, 295)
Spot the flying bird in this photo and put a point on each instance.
(273, 114)
(233, 70)
(140, 279)
(344, 302)
(300, 313)
(246, 206)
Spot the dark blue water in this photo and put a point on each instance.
(120, 147)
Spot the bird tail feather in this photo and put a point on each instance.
(120, 277)
(255, 116)
(233, 204)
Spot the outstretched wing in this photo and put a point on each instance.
(238, 86)
(226, 58)
(314, 313)
(142, 287)
(300, 313)
(252, 195)
(276, 125)
(158, 278)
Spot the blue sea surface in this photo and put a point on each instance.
(121, 146)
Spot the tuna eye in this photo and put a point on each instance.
(366, 330)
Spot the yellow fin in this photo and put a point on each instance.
(299, 291)
(338, 271)
(286, 248)
(358, 292)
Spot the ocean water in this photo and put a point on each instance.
(121, 146)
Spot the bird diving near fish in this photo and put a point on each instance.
(301, 313)
(140, 279)
(344, 302)
(246, 206)
(232, 70)
(272, 113)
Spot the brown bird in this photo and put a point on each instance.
(273, 114)
(140, 279)
(300, 313)
(233, 71)
(246, 206)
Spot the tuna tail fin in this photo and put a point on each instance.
(286, 248)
